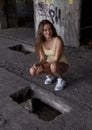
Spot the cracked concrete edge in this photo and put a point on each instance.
(50, 98)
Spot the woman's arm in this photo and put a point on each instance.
(42, 58)
(59, 49)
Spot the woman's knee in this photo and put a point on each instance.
(32, 71)
(53, 67)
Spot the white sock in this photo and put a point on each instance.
(48, 77)
(59, 80)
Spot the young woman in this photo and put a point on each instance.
(50, 49)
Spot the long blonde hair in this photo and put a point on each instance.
(40, 39)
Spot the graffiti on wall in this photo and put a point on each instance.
(47, 10)
(64, 14)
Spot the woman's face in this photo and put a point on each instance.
(47, 32)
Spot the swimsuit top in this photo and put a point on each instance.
(51, 54)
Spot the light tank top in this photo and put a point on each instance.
(51, 54)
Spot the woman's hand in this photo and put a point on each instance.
(38, 67)
(41, 62)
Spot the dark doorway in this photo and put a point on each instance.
(86, 22)
(25, 13)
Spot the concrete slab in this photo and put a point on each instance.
(14, 116)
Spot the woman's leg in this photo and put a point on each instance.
(55, 68)
(32, 71)
(44, 69)
(58, 68)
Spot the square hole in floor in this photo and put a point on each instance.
(21, 48)
(25, 98)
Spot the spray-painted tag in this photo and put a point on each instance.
(70, 2)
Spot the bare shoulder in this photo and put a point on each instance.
(59, 41)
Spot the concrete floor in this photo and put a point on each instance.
(74, 102)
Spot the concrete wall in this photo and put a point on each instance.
(12, 10)
(3, 22)
(8, 14)
(64, 14)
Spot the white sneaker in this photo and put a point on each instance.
(60, 85)
(48, 80)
